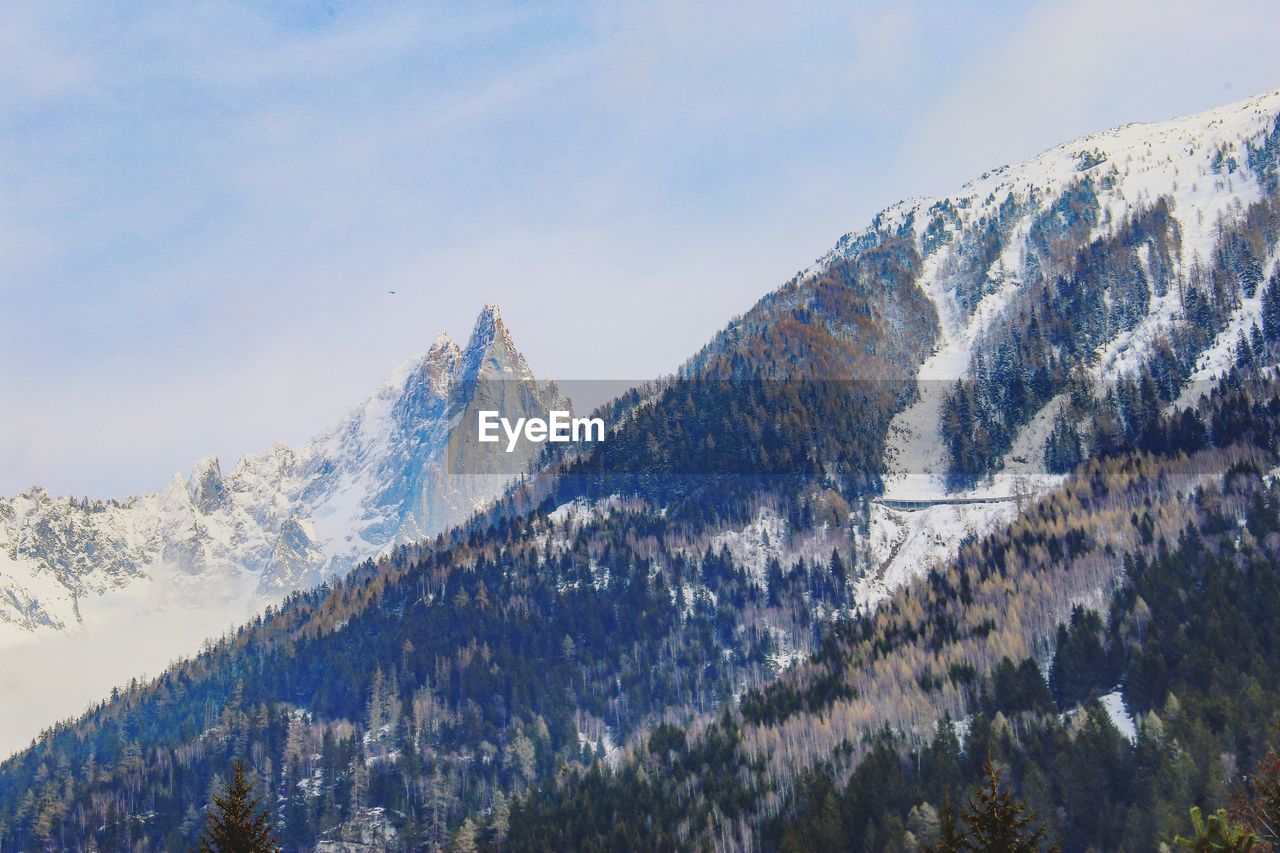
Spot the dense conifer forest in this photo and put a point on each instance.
(1186, 641)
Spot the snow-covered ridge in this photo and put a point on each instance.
(288, 516)
(1151, 159)
(212, 547)
(1201, 164)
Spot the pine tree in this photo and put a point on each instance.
(1250, 272)
(1218, 833)
(237, 824)
(464, 841)
(1244, 352)
(1271, 308)
(838, 570)
(1080, 666)
(950, 838)
(1257, 343)
(1064, 449)
(999, 823)
(499, 818)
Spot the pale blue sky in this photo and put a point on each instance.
(203, 205)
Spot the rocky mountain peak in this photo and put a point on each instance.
(443, 350)
(288, 515)
(491, 352)
(205, 484)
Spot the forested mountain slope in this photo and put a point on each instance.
(726, 529)
(1150, 579)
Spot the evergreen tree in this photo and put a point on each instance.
(1080, 666)
(1271, 308)
(500, 818)
(1218, 833)
(464, 841)
(1018, 688)
(1064, 449)
(1244, 352)
(999, 823)
(1250, 272)
(237, 824)
(774, 581)
(950, 838)
(838, 570)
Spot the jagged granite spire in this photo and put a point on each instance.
(491, 352)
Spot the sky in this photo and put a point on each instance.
(204, 206)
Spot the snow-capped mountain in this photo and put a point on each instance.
(214, 546)
(285, 518)
(1145, 216)
(1139, 253)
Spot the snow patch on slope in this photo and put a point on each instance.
(905, 544)
(1113, 704)
(754, 545)
(1215, 361)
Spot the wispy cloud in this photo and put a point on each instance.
(1084, 66)
(202, 206)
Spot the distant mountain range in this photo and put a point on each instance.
(221, 545)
